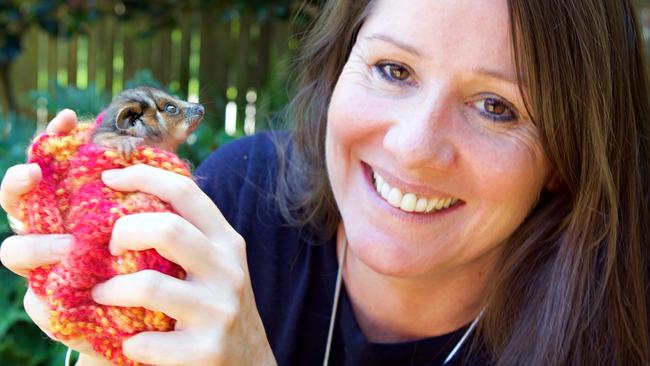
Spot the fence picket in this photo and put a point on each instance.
(236, 52)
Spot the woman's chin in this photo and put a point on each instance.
(390, 259)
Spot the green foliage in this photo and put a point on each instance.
(86, 102)
(144, 77)
(15, 133)
(21, 342)
(64, 18)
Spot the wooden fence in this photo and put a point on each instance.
(205, 57)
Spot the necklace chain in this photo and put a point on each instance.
(335, 307)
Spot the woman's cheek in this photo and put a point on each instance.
(508, 174)
(355, 112)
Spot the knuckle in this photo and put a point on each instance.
(238, 281)
(173, 226)
(211, 347)
(186, 187)
(206, 306)
(239, 245)
(150, 284)
(229, 316)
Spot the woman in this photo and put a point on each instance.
(465, 163)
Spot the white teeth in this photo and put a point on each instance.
(432, 204)
(395, 197)
(410, 202)
(385, 189)
(379, 181)
(421, 206)
(447, 202)
(441, 204)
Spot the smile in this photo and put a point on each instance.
(410, 202)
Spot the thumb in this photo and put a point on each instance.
(64, 121)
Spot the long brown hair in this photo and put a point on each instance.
(573, 283)
(571, 288)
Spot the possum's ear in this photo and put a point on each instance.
(127, 116)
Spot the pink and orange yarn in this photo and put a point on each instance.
(71, 198)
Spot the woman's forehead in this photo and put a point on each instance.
(473, 34)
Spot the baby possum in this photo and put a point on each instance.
(147, 116)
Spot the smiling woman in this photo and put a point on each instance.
(521, 113)
(466, 182)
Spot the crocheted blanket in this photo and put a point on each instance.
(71, 198)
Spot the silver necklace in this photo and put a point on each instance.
(335, 307)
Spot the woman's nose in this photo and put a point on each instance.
(423, 138)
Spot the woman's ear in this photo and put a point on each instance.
(127, 116)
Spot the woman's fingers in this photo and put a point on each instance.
(196, 254)
(161, 349)
(18, 180)
(179, 191)
(22, 253)
(39, 312)
(156, 348)
(156, 291)
(64, 122)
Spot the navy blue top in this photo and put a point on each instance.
(293, 275)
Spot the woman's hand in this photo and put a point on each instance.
(217, 320)
(23, 253)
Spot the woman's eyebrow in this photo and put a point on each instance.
(507, 77)
(495, 74)
(386, 38)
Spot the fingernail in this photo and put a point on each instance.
(97, 293)
(109, 176)
(62, 244)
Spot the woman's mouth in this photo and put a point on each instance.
(410, 202)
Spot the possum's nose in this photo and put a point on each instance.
(195, 110)
(195, 113)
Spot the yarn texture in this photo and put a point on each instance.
(71, 198)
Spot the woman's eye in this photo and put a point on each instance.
(495, 109)
(171, 109)
(393, 72)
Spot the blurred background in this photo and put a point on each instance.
(233, 56)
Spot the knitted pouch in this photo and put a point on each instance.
(71, 198)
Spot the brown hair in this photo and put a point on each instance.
(571, 288)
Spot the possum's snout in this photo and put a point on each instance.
(193, 115)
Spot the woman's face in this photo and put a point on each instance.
(428, 105)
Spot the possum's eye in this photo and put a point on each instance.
(171, 109)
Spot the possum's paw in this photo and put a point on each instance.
(127, 145)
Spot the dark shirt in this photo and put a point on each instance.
(293, 274)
